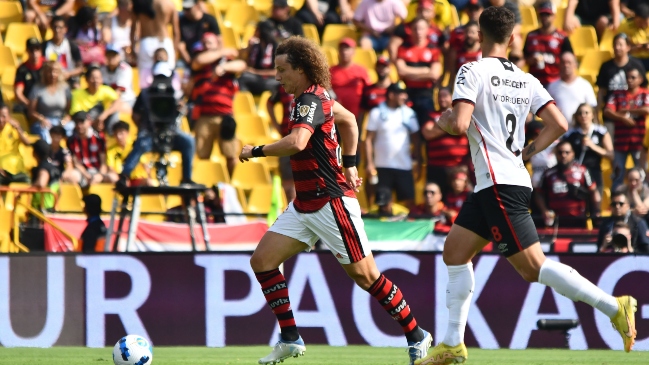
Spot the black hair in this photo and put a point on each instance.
(471, 23)
(417, 19)
(41, 149)
(121, 125)
(58, 130)
(617, 193)
(497, 23)
(622, 36)
(562, 142)
(266, 32)
(90, 70)
(631, 67)
(58, 18)
(144, 7)
(642, 10)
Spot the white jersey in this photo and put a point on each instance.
(503, 95)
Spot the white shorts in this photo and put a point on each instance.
(338, 224)
(148, 46)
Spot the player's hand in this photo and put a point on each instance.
(351, 175)
(444, 120)
(246, 153)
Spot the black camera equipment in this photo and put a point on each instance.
(164, 116)
(563, 325)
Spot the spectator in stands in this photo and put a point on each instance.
(85, 32)
(376, 20)
(403, 32)
(544, 46)
(473, 10)
(460, 191)
(100, 101)
(571, 90)
(323, 12)
(566, 189)
(60, 156)
(194, 22)
(119, 75)
(433, 207)
(88, 151)
(348, 78)
(385, 208)
(213, 94)
(42, 12)
(601, 14)
(67, 53)
(12, 167)
(116, 30)
(470, 50)
(391, 128)
(93, 236)
(259, 76)
(628, 109)
(28, 75)
(637, 29)
(286, 99)
(419, 67)
(444, 152)
(49, 102)
(621, 238)
(182, 142)
(636, 191)
(590, 142)
(44, 175)
(621, 213)
(116, 155)
(285, 25)
(374, 94)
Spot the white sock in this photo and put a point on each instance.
(569, 283)
(459, 291)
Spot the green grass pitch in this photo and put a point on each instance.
(315, 355)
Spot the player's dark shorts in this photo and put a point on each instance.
(400, 181)
(500, 213)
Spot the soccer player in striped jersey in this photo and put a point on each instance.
(491, 99)
(325, 206)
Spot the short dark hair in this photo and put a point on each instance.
(58, 18)
(562, 142)
(631, 67)
(121, 125)
(58, 130)
(497, 23)
(642, 10)
(90, 70)
(617, 193)
(471, 23)
(622, 36)
(41, 149)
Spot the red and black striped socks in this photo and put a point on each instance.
(391, 299)
(273, 285)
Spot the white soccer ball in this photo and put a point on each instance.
(133, 350)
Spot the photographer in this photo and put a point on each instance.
(155, 114)
(620, 240)
(621, 215)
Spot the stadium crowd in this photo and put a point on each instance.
(393, 64)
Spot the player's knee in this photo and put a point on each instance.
(529, 275)
(257, 263)
(363, 280)
(452, 258)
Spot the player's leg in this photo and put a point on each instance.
(285, 238)
(341, 228)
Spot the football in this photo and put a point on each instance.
(133, 350)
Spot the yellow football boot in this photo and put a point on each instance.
(624, 320)
(444, 354)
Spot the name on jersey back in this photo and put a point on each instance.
(497, 82)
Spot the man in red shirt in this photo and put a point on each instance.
(444, 151)
(419, 67)
(403, 32)
(544, 46)
(349, 79)
(473, 11)
(470, 50)
(374, 94)
(628, 109)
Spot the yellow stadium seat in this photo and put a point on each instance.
(238, 15)
(248, 32)
(559, 17)
(333, 33)
(222, 6)
(106, 192)
(262, 109)
(365, 58)
(70, 199)
(5, 228)
(528, 15)
(136, 80)
(21, 119)
(27, 153)
(241, 194)
(311, 32)
(243, 104)
(251, 128)
(8, 60)
(582, 39)
(332, 55)
(591, 63)
(262, 6)
(230, 38)
(10, 12)
(8, 78)
(295, 5)
(606, 42)
(259, 200)
(250, 174)
(18, 34)
(209, 173)
(373, 76)
(455, 17)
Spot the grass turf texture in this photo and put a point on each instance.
(315, 355)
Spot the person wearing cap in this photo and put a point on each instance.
(66, 52)
(116, 29)
(374, 94)
(93, 237)
(44, 175)
(119, 75)
(194, 22)
(28, 74)
(40, 12)
(100, 101)
(348, 78)
(403, 32)
(12, 166)
(259, 76)
(376, 19)
(470, 50)
(391, 128)
(285, 25)
(215, 85)
(544, 46)
(637, 29)
(323, 12)
(88, 150)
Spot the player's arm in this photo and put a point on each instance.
(295, 142)
(555, 125)
(617, 116)
(457, 120)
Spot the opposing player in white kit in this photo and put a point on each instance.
(492, 97)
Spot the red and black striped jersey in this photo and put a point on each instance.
(456, 39)
(456, 200)
(556, 185)
(550, 47)
(214, 95)
(419, 56)
(281, 96)
(88, 150)
(317, 172)
(464, 56)
(629, 138)
(373, 95)
(448, 150)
